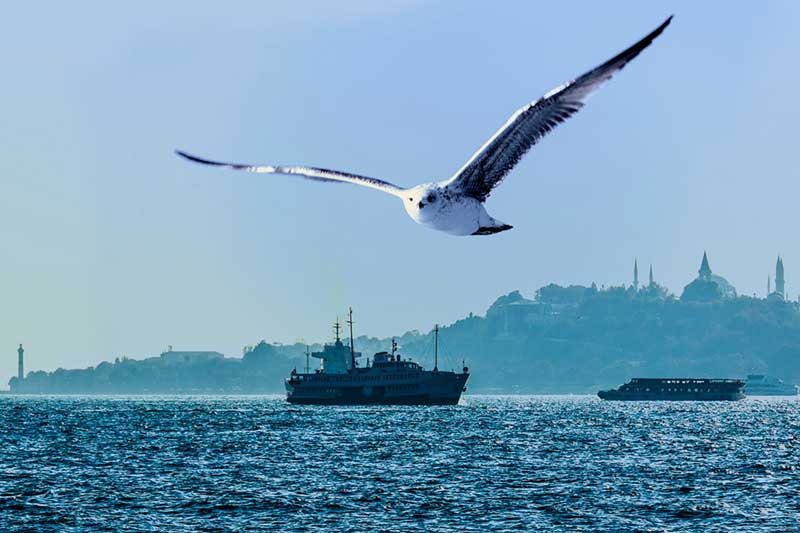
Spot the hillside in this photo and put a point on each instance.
(565, 340)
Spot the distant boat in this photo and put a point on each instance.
(677, 389)
(761, 385)
(389, 380)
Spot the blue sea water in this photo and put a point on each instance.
(518, 463)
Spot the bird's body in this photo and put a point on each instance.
(444, 209)
(456, 205)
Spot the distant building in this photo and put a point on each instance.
(183, 358)
(635, 275)
(511, 314)
(556, 295)
(707, 287)
(779, 294)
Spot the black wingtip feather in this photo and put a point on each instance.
(643, 43)
(623, 58)
(196, 159)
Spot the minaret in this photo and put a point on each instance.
(652, 282)
(705, 270)
(21, 363)
(769, 285)
(780, 284)
(635, 275)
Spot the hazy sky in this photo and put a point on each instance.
(112, 246)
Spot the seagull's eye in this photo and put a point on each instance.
(410, 199)
(431, 198)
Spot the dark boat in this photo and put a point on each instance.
(677, 389)
(389, 380)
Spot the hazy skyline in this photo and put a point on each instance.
(113, 246)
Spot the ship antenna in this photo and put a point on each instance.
(394, 345)
(352, 348)
(436, 348)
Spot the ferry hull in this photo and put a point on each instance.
(409, 400)
(443, 388)
(693, 397)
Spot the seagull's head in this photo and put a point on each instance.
(421, 202)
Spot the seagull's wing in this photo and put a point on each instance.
(495, 159)
(312, 173)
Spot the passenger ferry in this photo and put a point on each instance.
(761, 385)
(389, 379)
(677, 389)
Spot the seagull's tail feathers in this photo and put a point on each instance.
(494, 227)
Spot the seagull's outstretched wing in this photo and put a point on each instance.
(490, 164)
(312, 173)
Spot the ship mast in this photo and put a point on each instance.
(308, 361)
(436, 348)
(352, 348)
(336, 328)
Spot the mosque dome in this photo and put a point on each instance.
(708, 287)
(726, 289)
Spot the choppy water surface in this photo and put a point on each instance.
(492, 464)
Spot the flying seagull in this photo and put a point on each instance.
(455, 205)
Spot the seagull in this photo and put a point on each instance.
(456, 205)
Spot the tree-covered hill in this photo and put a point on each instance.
(564, 340)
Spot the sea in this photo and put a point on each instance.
(492, 463)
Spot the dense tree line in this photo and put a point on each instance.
(566, 340)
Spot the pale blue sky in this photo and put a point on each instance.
(113, 246)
